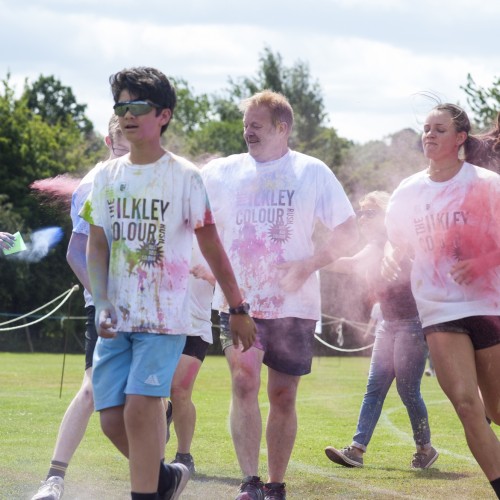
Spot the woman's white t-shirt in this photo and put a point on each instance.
(444, 223)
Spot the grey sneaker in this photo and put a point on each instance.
(181, 474)
(186, 459)
(345, 456)
(423, 461)
(251, 488)
(169, 417)
(274, 491)
(51, 489)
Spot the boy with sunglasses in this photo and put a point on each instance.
(143, 211)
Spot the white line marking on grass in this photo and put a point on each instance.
(386, 420)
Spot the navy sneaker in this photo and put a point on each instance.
(274, 491)
(251, 488)
(186, 459)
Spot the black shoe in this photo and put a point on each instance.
(251, 488)
(186, 459)
(274, 491)
(181, 477)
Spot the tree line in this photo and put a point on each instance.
(45, 132)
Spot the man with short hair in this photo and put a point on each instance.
(267, 203)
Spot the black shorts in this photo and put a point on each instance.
(484, 331)
(90, 336)
(288, 343)
(196, 347)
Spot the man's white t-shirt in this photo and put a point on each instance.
(266, 214)
(444, 223)
(149, 213)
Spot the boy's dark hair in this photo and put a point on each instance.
(146, 84)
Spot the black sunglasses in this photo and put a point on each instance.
(137, 108)
(369, 213)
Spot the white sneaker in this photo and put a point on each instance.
(51, 489)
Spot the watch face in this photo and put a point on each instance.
(243, 308)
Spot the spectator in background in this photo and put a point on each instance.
(399, 351)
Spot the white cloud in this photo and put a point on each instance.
(369, 56)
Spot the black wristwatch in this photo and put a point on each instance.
(243, 308)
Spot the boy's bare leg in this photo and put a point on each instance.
(143, 416)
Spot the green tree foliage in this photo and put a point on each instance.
(219, 138)
(37, 141)
(484, 102)
(296, 84)
(32, 148)
(381, 165)
(204, 125)
(192, 111)
(56, 105)
(48, 98)
(329, 147)
(212, 124)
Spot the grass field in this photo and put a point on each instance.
(328, 405)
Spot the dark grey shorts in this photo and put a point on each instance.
(484, 331)
(287, 342)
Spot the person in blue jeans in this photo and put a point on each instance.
(400, 350)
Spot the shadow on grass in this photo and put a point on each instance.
(204, 478)
(425, 474)
(437, 474)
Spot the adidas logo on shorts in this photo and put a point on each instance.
(152, 380)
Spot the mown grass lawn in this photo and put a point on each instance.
(328, 405)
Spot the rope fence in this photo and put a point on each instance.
(64, 297)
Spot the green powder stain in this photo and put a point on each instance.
(87, 212)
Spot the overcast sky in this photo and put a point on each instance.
(370, 57)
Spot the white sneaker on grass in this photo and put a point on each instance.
(51, 489)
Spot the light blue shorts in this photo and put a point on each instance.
(134, 363)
